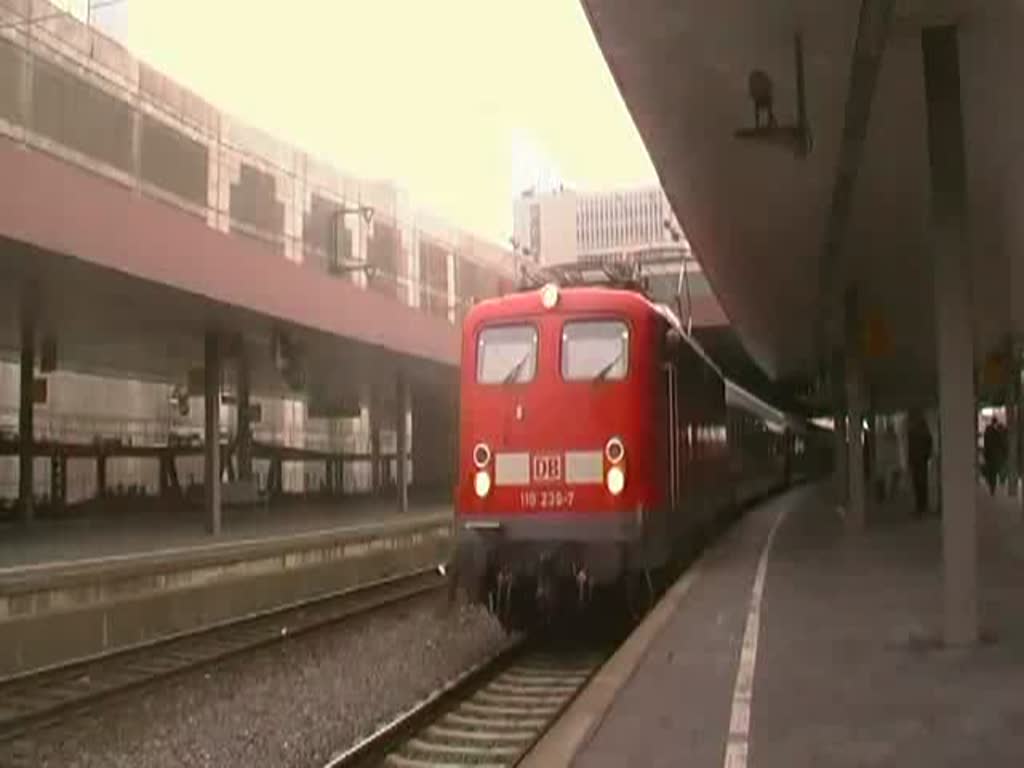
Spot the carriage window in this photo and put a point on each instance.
(506, 354)
(595, 349)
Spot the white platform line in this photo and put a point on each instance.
(738, 743)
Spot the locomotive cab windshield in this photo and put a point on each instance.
(507, 354)
(595, 350)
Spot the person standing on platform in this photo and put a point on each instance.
(787, 458)
(994, 446)
(1002, 453)
(988, 451)
(919, 451)
(889, 462)
(868, 436)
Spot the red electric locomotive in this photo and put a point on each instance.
(594, 439)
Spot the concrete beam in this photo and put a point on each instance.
(872, 33)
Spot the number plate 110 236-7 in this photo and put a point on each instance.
(548, 499)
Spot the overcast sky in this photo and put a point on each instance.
(463, 102)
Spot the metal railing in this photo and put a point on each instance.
(85, 428)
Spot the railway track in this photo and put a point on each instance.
(489, 718)
(44, 699)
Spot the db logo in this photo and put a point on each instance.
(547, 469)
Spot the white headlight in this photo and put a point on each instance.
(615, 480)
(549, 295)
(482, 483)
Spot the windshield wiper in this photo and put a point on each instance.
(513, 374)
(600, 375)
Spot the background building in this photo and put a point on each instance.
(241, 182)
(563, 225)
(635, 225)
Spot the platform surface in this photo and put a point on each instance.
(847, 669)
(149, 531)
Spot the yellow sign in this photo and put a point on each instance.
(994, 372)
(876, 340)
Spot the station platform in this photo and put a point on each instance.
(128, 528)
(73, 589)
(831, 656)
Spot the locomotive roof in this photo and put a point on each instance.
(592, 297)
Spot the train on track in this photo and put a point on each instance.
(597, 440)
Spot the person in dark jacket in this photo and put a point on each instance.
(919, 451)
(994, 450)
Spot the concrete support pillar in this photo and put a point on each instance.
(954, 333)
(27, 76)
(101, 475)
(1013, 418)
(1013, 445)
(58, 479)
(26, 425)
(137, 146)
(871, 470)
(211, 434)
(375, 467)
(839, 457)
(164, 474)
(434, 442)
(856, 407)
(275, 477)
(856, 504)
(244, 437)
(401, 438)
